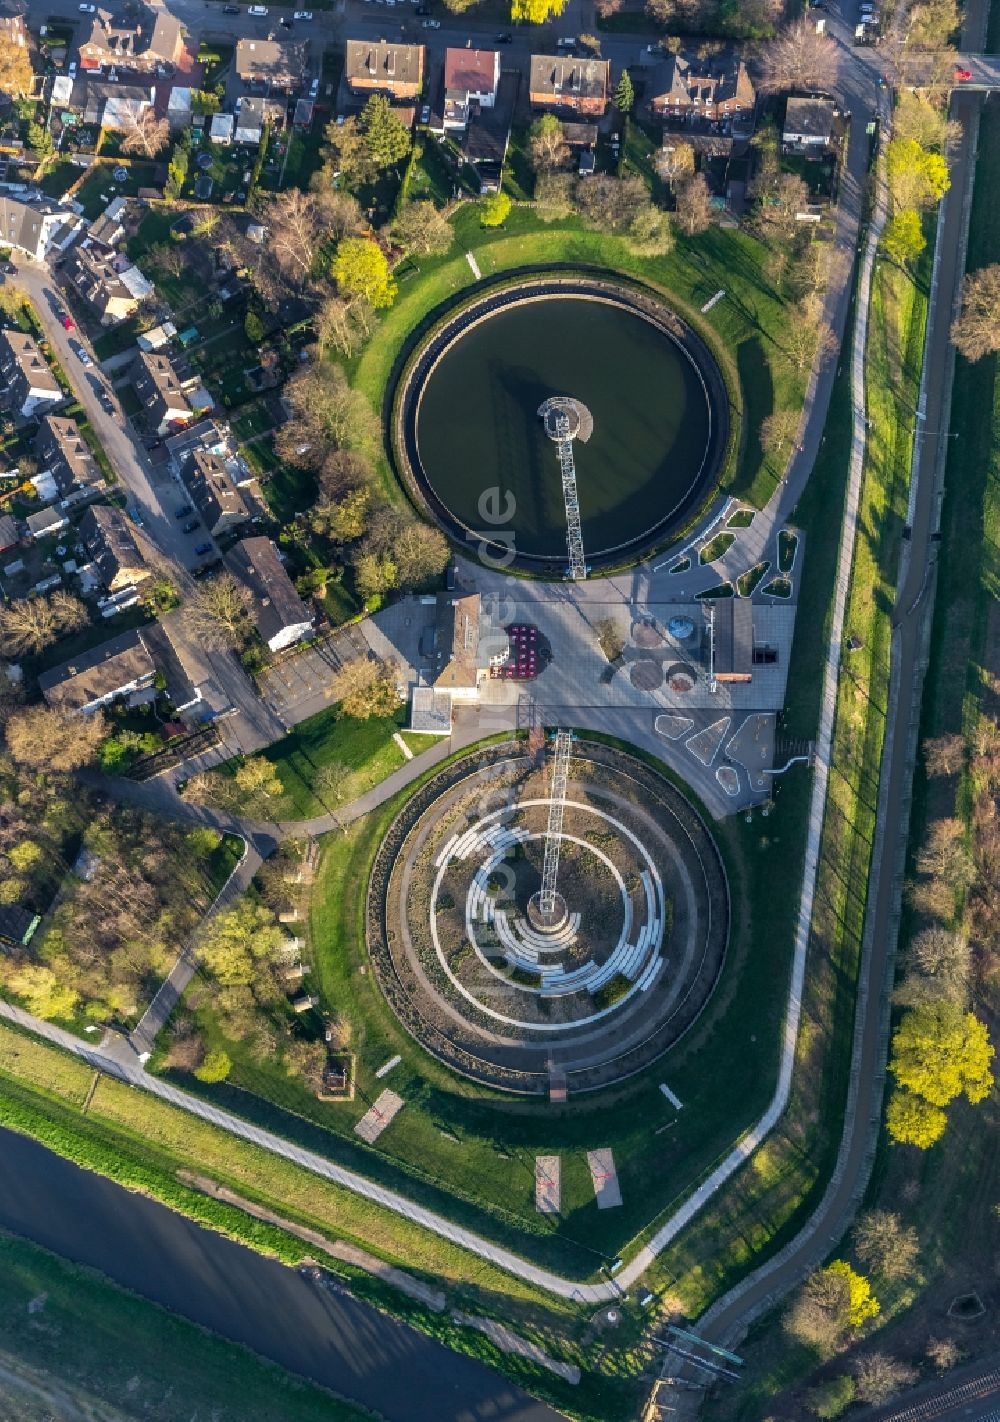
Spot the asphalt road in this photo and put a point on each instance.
(323, 1334)
(154, 495)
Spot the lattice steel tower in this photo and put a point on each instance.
(565, 420)
(562, 752)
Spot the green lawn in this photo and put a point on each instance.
(366, 747)
(746, 330)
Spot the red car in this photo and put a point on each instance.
(67, 321)
(962, 76)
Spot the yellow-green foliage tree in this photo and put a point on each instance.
(918, 178)
(910, 1120)
(494, 211)
(861, 1303)
(360, 268)
(903, 239)
(940, 1052)
(42, 992)
(535, 12)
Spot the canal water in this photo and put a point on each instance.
(333, 1339)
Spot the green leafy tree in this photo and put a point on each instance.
(625, 93)
(547, 146)
(910, 1120)
(940, 1052)
(832, 1398)
(347, 519)
(387, 140)
(236, 941)
(253, 326)
(258, 777)
(360, 268)
(903, 239)
(39, 139)
(374, 575)
(215, 1066)
(494, 210)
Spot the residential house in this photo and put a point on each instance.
(714, 89)
(65, 456)
(213, 492)
(808, 123)
(111, 285)
(272, 64)
(381, 67)
(9, 535)
(116, 106)
(132, 36)
(280, 615)
(26, 381)
(487, 135)
(172, 662)
(161, 391)
(116, 669)
(220, 130)
(249, 120)
(471, 77)
(157, 336)
(179, 107)
(467, 643)
(109, 542)
(561, 83)
(46, 522)
(109, 229)
(32, 223)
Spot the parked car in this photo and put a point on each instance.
(71, 71)
(190, 527)
(259, 10)
(80, 354)
(183, 511)
(66, 320)
(203, 548)
(230, 9)
(106, 402)
(302, 15)
(9, 269)
(425, 113)
(962, 76)
(432, 24)
(504, 39)
(88, 9)
(314, 88)
(285, 22)
(567, 42)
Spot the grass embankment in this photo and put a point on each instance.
(142, 1143)
(746, 330)
(365, 748)
(897, 319)
(73, 1340)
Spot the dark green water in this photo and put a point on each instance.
(478, 427)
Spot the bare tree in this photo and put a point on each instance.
(945, 855)
(675, 160)
(807, 337)
(344, 325)
(295, 231)
(553, 196)
(365, 689)
(168, 258)
(55, 740)
(144, 132)
(342, 471)
(884, 1244)
(29, 625)
(420, 228)
(976, 332)
(820, 1312)
(880, 1376)
(326, 412)
(694, 205)
(217, 613)
(547, 145)
(944, 755)
(944, 1353)
(800, 58)
(777, 434)
(778, 209)
(943, 955)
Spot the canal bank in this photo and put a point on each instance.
(321, 1334)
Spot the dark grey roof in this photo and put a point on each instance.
(276, 603)
(99, 673)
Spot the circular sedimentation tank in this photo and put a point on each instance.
(470, 444)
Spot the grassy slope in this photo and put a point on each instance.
(367, 747)
(746, 328)
(896, 332)
(92, 1344)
